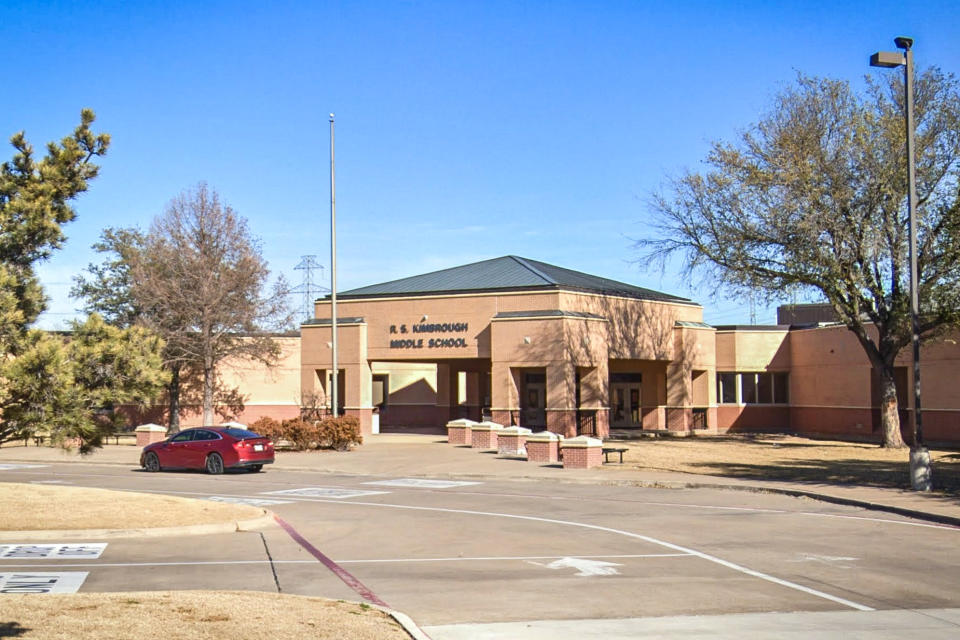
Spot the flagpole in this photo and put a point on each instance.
(333, 278)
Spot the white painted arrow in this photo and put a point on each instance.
(837, 560)
(586, 567)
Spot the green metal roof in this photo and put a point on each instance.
(509, 273)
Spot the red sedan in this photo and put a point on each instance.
(210, 448)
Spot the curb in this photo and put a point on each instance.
(404, 621)
(250, 524)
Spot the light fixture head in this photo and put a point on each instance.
(887, 59)
(903, 42)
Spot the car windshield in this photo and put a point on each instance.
(241, 434)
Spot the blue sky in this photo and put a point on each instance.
(465, 130)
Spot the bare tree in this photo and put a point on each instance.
(201, 282)
(813, 198)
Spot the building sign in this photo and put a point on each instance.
(428, 328)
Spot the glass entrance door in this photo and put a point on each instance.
(625, 404)
(534, 401)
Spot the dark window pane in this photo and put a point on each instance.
(241, 434)
(748, 388)
(780, 386)
(728, 388)
(764, 388)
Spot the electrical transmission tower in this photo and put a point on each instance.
(309, 288)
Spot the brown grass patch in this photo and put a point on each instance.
(30, 507)
(781, 457)
(191, 615)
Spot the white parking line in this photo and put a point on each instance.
(255, 502)
(368, 561)
(908, 523)
(686, 550)
(421, 483)
(905, 522)
(323, 492)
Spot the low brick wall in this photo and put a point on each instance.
(512, 440)
(483, 438)
(543, 446)
(150, 433)
(582, 452)
(458, 431)
(459, 435)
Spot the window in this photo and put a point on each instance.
(183, 436)
(727, 388)
(780, 386)
(755, 388)
(748, 388)
(239, 434)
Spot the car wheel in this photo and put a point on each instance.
(151, 462)
(255, 468)
(214, 464)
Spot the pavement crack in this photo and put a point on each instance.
(273, 567)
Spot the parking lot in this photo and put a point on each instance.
(471, 556)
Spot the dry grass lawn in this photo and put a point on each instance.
(31, 507)
(781, 457)
(191, 615)
(162, 615)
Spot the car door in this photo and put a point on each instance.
(204, 442)
(177, 451)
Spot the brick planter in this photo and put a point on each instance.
(582, 452)
(458, 431)
(484, 435)
(150, 433)
(543, 446)
(511, 441)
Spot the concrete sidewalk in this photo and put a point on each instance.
(391, 455)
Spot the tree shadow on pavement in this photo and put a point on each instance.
(841, 472)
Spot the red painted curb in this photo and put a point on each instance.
(349, 579)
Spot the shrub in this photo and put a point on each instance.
(340, 433)
(268, 428)
(301, 434)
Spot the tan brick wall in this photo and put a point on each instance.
(543, 451)
(483, 439)
(459, 435)
(582, 457)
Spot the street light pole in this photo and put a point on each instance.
(920, 472)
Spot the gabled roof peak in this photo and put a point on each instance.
(507, 273)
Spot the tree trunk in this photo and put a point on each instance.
(174, 391)
(208, 378)
(889, 414)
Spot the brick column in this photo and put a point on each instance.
(582, 452)
(543, 447)
(458, 431)
(561, 399)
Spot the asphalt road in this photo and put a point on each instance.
(540, 559)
